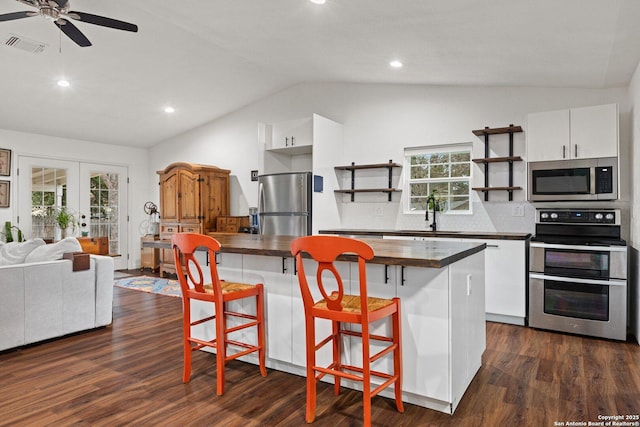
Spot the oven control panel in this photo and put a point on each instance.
(573, 216)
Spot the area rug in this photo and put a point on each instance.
(154, 285)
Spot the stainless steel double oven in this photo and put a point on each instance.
(578, 273)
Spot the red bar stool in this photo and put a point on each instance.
(219, 293)
(340, 309)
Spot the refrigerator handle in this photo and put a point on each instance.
(261, 205)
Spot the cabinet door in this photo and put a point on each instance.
(505, 278)
(275, 274)
(468, 326)
(594, 131)
(548, 135)
(189, 197)
(293, 136)
(169, 197)
(424, 296)
(215, 196)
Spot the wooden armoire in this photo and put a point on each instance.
(191, 198)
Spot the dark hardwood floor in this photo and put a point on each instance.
(130, 374)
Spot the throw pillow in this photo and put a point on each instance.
(54, 251)
(16, 252)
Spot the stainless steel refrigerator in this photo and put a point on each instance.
(284, 205)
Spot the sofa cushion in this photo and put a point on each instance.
(16, 252)
(54, 251)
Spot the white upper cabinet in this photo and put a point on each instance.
(594, 131)
(576, 133)
(547, 135)
(291, 136)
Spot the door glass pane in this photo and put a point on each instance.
(48, 194)
(104, 209)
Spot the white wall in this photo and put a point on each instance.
(68, 149)
(634, 158)
(379, 122)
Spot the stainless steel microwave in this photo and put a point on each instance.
(580, 179)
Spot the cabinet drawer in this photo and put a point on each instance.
(190, 229)
(169, 229)
(231, 224)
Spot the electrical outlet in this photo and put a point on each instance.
(378, 211)
(254, 175)
(517, 210)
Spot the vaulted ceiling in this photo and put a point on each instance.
(209, 58)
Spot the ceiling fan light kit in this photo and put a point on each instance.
(58, 11)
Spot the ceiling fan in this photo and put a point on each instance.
(58, 12)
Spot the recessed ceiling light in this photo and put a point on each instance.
(63, 83)
(395, 64)
(169, 109)
(318, 1)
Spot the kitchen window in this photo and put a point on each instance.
(444, 170)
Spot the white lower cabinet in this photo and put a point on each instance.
(275, 273)
(443, 330)
(506, 276)
(506, 280)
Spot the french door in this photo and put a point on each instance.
(96, 194)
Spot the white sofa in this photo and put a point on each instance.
(42, 299)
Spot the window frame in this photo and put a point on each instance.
(431, 149)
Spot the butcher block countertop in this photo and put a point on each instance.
(488, 235)
(428, 254)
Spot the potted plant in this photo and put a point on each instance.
(66, 220)
(8, 233)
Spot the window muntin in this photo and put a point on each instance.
(445, 170)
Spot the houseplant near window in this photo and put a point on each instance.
(66, 220)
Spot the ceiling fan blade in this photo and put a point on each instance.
(103, 21)
(17, 15)
(72, 32)
(60, 3)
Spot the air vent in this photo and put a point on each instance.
(24, 43)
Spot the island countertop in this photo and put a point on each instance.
(428, 254)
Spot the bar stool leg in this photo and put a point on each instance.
(311, 373)
(262, 353)
(186, 344)
(221, 348)
(366, 376)
(397, 356)
(337, 355)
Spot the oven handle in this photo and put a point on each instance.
(611, 282)
(599, 248)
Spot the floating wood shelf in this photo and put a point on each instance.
(497, 131)
(486, 160)
(498, 159)
(496, 188)
(368, 190)
(353, 167)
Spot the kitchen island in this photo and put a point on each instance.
(441, 287)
